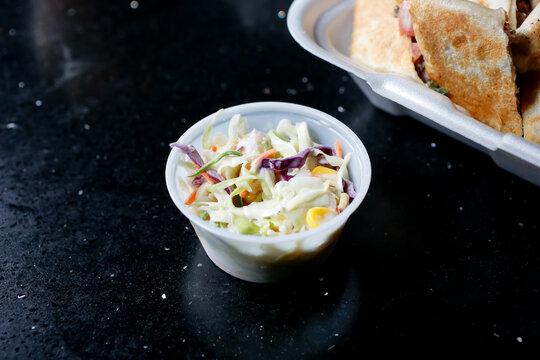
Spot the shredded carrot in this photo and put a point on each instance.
(191, 198)
(339, 151)
(265, 154)
(213, 148)
(207, 177)
(243, 193)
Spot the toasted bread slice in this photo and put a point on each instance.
(507, 5)
(466, 52)
(376, 41)
(530, 105)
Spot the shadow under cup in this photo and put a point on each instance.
(267, 259)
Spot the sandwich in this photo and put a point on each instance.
(376, 40)
(465, 50)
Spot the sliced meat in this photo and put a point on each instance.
(415, 51)
(523, 9)
(404, 17)
(420, 67)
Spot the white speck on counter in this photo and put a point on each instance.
(112, 275)
(80, 192)
(341, 90)
(199, 265)
(326, 293)
(163, 296)
(495, 334)
(519, 339)
(145, 346)
(166, 249)
(336, 334)
(448, 165)
(12, 32)
(281, 14)
(433, 145)
(33, 327)
(185, 227)
(21, 296)
(134, 4)
(86, 127)
(185, 267)
(21, 84)
(305, 79)
(460, 208)
(341, 109)
(11, 126)
(520, 224)
(291, 92)
(428, 195)
(331, 347)
(38, 103)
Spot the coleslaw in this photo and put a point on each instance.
(275, 183)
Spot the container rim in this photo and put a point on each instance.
(310, 113)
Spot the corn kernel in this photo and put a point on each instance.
(321, 170)
(318, 215)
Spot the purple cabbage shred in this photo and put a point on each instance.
(194, 155)
(296, 161)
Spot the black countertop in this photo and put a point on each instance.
(443, 256)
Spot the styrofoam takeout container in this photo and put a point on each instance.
(266, 259)
(324, 28)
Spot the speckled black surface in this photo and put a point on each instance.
(443, 257)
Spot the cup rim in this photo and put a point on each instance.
(338, 221)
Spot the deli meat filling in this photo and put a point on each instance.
(406, 28)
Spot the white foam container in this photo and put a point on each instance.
(271, 258)
(324, 28)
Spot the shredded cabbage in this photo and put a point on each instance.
(264, 183)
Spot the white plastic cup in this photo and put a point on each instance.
(265, 259)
